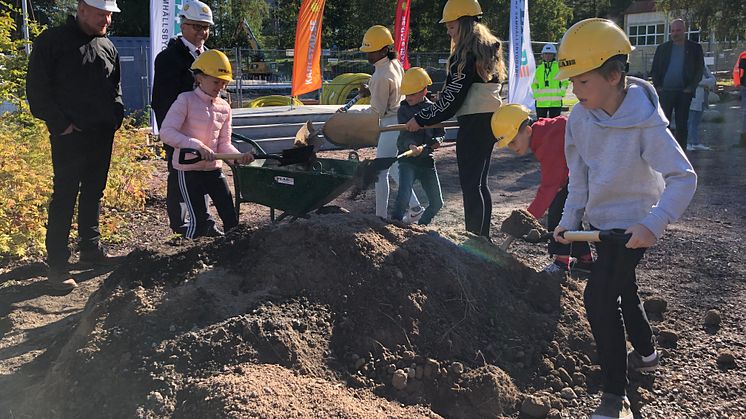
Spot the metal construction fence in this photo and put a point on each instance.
(260, 73)
(719, 57)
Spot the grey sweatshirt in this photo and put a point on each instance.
(626, 168)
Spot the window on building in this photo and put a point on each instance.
(647, 34)
(693, 34)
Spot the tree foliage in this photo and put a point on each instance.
(713, 17)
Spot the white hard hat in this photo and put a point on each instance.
(549, 49)
(107, 5)
(197, 11)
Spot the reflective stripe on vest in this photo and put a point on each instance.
(548, 92)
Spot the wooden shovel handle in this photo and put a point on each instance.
(236, 156)
(402, 127)
(596, 236)
(228, 156)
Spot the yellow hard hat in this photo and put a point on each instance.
(214, 63)
(588, 44)
(506, 121)
(414, 80)
(376, 37)
(455, 9)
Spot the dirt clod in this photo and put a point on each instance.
(712, 318)
(520, 223)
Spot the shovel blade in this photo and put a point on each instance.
(296, 155)
(352, 129)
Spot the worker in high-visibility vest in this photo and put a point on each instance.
(548, 92)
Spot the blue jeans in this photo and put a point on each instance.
(693, 126)
(428, 177)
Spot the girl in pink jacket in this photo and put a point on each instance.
(201, 120)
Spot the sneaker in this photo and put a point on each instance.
(211, 232)
(690, 147)
(413, 215)
(701, 147)
(61, 280)
(635, 362)
(556, 266)
(98, 257)
(613, 407)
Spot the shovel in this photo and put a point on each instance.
(361, 129)
(534, 236)
(307, 134)
(288, 156)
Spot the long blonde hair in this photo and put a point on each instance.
(476, 38)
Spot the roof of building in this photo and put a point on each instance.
(640, 6)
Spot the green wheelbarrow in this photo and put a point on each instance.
(294, 190)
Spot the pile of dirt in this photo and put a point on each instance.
(270, 321)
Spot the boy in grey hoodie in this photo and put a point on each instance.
(627, 173)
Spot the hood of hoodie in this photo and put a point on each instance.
(638, 109)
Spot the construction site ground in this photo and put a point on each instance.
(346, 315)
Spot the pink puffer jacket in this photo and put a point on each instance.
(194, 119)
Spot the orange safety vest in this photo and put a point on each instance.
(737, 70)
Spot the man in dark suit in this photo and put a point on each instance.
(173, 76)
(677, 69)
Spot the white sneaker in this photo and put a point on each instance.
(701, 147)
(689, 147)
(413, 215)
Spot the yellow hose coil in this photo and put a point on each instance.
(273, 100)
(336, 92)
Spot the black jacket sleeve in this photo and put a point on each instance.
(453, 94)
(172, 77)
(657, 71)
(39, 86)
(698, 68)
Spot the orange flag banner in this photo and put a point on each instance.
(307, 54)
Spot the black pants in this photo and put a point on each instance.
(176, 217)
(554, 215)
(194, 185)
(548, 112)
(474, 145)
(678, 102)
(612, 305)
(80, 163)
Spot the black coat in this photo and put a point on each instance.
(74, 78)
(172, 77)
(694, 64)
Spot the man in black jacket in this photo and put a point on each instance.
(677, 69)
(73, 84)
(172, 77)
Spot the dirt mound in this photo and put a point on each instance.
(274, 319)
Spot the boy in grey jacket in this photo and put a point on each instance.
(627, 173)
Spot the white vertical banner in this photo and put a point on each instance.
(164, 25)
(522, 64)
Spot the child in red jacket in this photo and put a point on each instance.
(545, 138)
